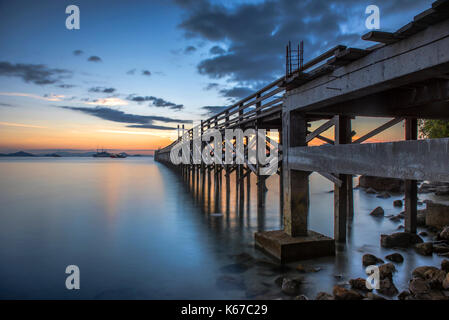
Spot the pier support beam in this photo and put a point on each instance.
(411, 187)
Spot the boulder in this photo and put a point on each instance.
(359, 284)
(382, 184)
(386, 270)
(387, 287)
(378, 212)
(372, 296)
(301, 297)
(435, 278)
(419, 287)
(445, 233)
(446, 282)
(395, 257)
(442, 191)
(341, 293)
(324, 296)
(290, 286)
(421, 218)
(437, 214)
(404, 295)
(424, 249)
(399, 239)
(370, 191)
(305, 269)
(397, 203)
(445, 265)
(369, 259)
(441, 248)
(423, 234)
(420, 272)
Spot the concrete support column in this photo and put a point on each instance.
(411, 187)
(295, 183)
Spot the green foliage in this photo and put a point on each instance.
(432, 129)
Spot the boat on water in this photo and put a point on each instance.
(105, 154)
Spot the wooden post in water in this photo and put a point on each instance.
(342, 194)
(296, 183)
(411, 187)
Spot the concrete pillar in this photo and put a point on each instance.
(411, 187)
(295, 183)
(342, 194)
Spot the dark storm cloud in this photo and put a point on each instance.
(236, 92)
(156, 102)
(146, 73)
(211, 110)
(35, 73)
(189, 50)
(66, 86)
(122, 117)
(94, 59)
(217, 50)
(256, 34)
(78, 52)
(212, 85)
(102, 90)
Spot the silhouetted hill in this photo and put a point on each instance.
(17, 154)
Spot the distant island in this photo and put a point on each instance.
(62, 154)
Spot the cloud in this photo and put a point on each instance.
(46, 97)
(35, 73)
(102, 89)
(146, 73)
(66, 86)
(78, 52)
(236, 92)
(21, 125)
(5, 104)
(131, 72)
(189, 50)
(94, 59)
(134, 121)
(111, 102)
(256, 33)
(212, 85)
(156, 102)
(211, 110)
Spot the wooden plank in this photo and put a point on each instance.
(402, 159)
(331, 177)
(325, 126)
(379, 130)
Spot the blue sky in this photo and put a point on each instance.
(195, 53)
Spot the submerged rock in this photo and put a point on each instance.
(383, 195)
(387, 287)
(341, 293)
(445, 233)
(395, 257)
(445, 265)
(370, 191)
(382, 184)
(437, 214)
(227, 282)
(372, 296)
(404, 295)
(446, 282)
(359, 284)
(419, 287)
(324, 296)
(290, 286)
(420, 272)
(301, 297)
(441, 248)
(399, 239)
(234, 268)
(369, 259)
(386, 270)
(397, 203)
(378, 212)
(424, 249)
(305, 269)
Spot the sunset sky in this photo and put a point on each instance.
(137, 69)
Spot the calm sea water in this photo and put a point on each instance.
(136, 231)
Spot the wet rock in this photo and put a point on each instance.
(396, 218)
(234, 268)
(256, 290)
(421, 218)
(419, 272)
(370, 191)
(383, 195)
(279, 280)
(387, 287)
(419, 287)
(341, 293)
(395, 257)
(442, 191)
(445, 265)
(301, 297)
(359, 284)
(378, 212)
(424, 249)
(243, 257)
(404, 295)
(386, 270)
(306, 269)
(423, 234)
(369, 259)
(437, 214)
(227, 282)
(441, 248)
(445, 233)
(397, 203)
(400, 227)
(382, 184)
(399, 239)
(324, 296)
(435, 278)
(372, 296)
(446, 282)
(290, 286)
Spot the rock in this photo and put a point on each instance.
(387, 287)
(441, 248)
(359, 284)
(369, 259)
(395, 257)
(290, 286)
(279, 280)
(324, 296)
(445, 265)
(404, 295)
(445, 233)
(435, 278)
(400, 227)
(378, 212)
(442, 191)
(383, 195)
(382, 184)
(341, 293)
(372, 296)
(303, 269)
(301, 297)
(423, 234)
(437, 214)
(386, 270)
(370, 191)
(396, 218)
(399, 239)
(397, 203)
(421, 218)
(419, 287)
(446, 282)
(420, 272)
(424, 249)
